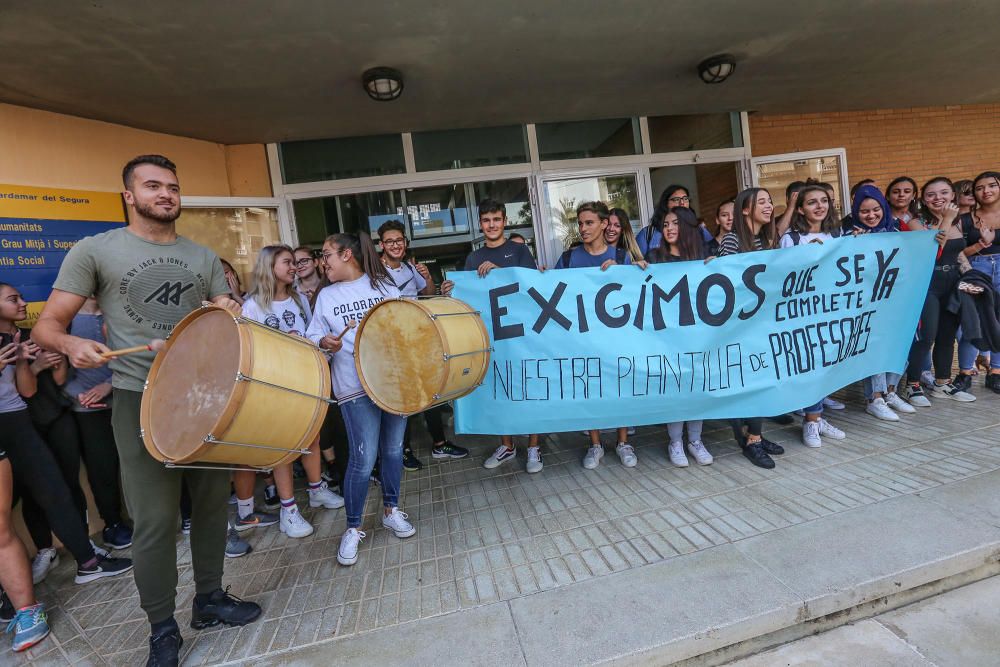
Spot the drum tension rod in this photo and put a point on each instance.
(240, 377)
(446, 397)
(437, 315)
(212, 440)
(465, 354)
(187, 467)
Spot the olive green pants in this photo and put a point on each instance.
(152, 495)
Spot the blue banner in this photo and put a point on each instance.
(749, 335)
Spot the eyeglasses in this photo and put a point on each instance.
(305, 261)
(394, 242)
(327, 255)
(680, 200)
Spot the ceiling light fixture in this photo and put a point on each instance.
(717, 68)
(383, 83)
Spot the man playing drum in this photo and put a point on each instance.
(146, 279)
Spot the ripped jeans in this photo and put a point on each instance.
(371, 433)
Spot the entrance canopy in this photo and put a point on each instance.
(260, 71)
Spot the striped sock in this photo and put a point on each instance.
(313, 487)
(287, 504)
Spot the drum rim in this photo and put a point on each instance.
(235, 398)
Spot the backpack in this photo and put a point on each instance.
(619, 256)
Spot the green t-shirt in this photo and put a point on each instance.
(143, 289)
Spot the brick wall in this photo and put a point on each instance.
(954, 141)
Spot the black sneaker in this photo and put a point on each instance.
(7, 611)
(106, 566)
(783, 420)
(165, 647)
(772, 448)
(271, 500)
(755, 452)
(221, 607)
(448, 450)
(993, 382)
(118, 536)
(411, 462)
(963, 382)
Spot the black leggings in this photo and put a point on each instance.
(938, 327)
(97, 444)
(754, 426)
(333, 435)
(38, 476)
(435, 425)
(63, 440)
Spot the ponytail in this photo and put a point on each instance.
(366, 255)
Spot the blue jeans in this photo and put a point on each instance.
(371, 433)
(816, 409)
(880, 383)
(990, 265)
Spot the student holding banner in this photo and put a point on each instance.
(498, 252)
(682, 241)
(752, 230)
(592, 221)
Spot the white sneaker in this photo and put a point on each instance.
(534, 463)
(927, 378)
(499, 456)
(700, 454)
(677, 456)
(893, 400)
(324, 497)
(397, 523)
(626, 453)
(948, 390)
(810, 434)
(44, 561)
(833, 404)
(347, 554)
(915, 395)
(880, 410)
(294, 524)
(828, 430)
(593, 457)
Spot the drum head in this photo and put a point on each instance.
(400, 356)
(191, 383)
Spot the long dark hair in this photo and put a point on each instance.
(626, 239)
(741, 225)
(995, 175)
(830, 224)
(364, 252)
(689, 241)
(914, 207)
(663, 206)
(926, 214)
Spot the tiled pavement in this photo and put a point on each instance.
(490, 535)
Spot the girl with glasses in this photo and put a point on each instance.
(307, 274)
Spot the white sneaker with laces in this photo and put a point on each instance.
(880, 410)
(44, 561)
(593, 457)
(810, 434)
(499, 456)
(948, 390)
(676, 452)
(397, 523)
(294, 524)
(324, 497)
(701, 455)
(927, 379)
(915, 395)
(833, 404)
(828, 430)
(893, 400)
(347, 554)
(626, 453)
(534, 463)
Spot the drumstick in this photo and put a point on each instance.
(350, 325)
(154, 345)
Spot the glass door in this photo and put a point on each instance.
(560, 195)
(776, 172)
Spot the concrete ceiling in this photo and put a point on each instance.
(240, 71)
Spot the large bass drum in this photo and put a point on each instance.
(413, 354)
(227, 390)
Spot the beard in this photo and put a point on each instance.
(152, 213)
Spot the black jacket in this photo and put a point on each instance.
(980, 313)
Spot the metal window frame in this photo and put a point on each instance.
(840, 153)
(286, 231)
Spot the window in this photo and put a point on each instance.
(350, 157)
(588, 139)
(776, 172)
(234, 234)
(459, 149)
(436, 211)
(514, 195)
(669, 134)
